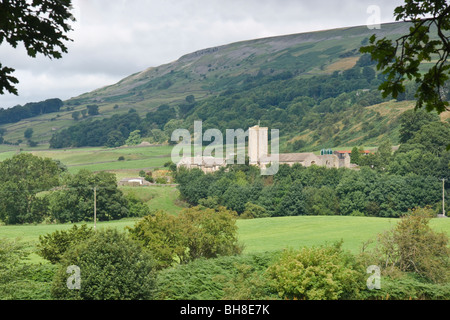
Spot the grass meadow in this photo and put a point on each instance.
(258, 235)
(100, 158)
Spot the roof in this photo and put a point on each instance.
(349, 151)
(129, 179)
(294, 157)
(203, 161)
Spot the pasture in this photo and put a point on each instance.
(260, 235)
(102, 159)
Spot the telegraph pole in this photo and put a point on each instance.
(443, 197)
(95, 207)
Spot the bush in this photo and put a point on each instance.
(323, 273)
(197, 232)
(161, 180)
(112, 267)
(216, 279)
(160, 233)
(52, 246)
(412, 246)
(408, 287)
(19, 279)
(136, 207)
(253, 211)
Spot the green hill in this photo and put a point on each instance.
(314, 87)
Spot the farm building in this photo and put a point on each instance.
(134, 182)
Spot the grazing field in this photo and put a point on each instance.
(259, 235)
(294, 232)
(102, 159)
(157, 197)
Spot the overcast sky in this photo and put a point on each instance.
(115, 38)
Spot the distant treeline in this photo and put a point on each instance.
(29, 110)
(113, 131)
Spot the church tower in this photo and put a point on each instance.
(258, 143)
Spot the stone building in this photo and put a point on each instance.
(258, 154)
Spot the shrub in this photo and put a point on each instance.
(11, 267)
(253, 211)
(197, 232)
(160, 234)
(210, 233)
(112, 267)
(52, 246)
(216, 279)
(322, 273)
(161, 180)
(136, 207)
(407, 287)
(412, 246)
(34, 283)
(19, 279)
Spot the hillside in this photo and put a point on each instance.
(250, 69)
(213, 70)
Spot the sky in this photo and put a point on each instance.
(113, 39)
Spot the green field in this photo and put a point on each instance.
(102, 159)
(259, 235)
(157, 197)
(293, 232)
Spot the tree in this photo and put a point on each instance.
(160, 233)
(368, 73)
(196, 232)
(236, 197)
(412, 246)
(76, 115)
(412, 121)
(433, 137)
(209, 233)
(112, 267)
(134, 138)
(22, 177)
(403, 58)
(12, 266)
(384, 154)
(190, 99)
(28, 133)
(253, 211)
(75, 202)
(41, 26)
(293, 202)
(53, 246)
(92, 110)
(355, 155)
(321, 201)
